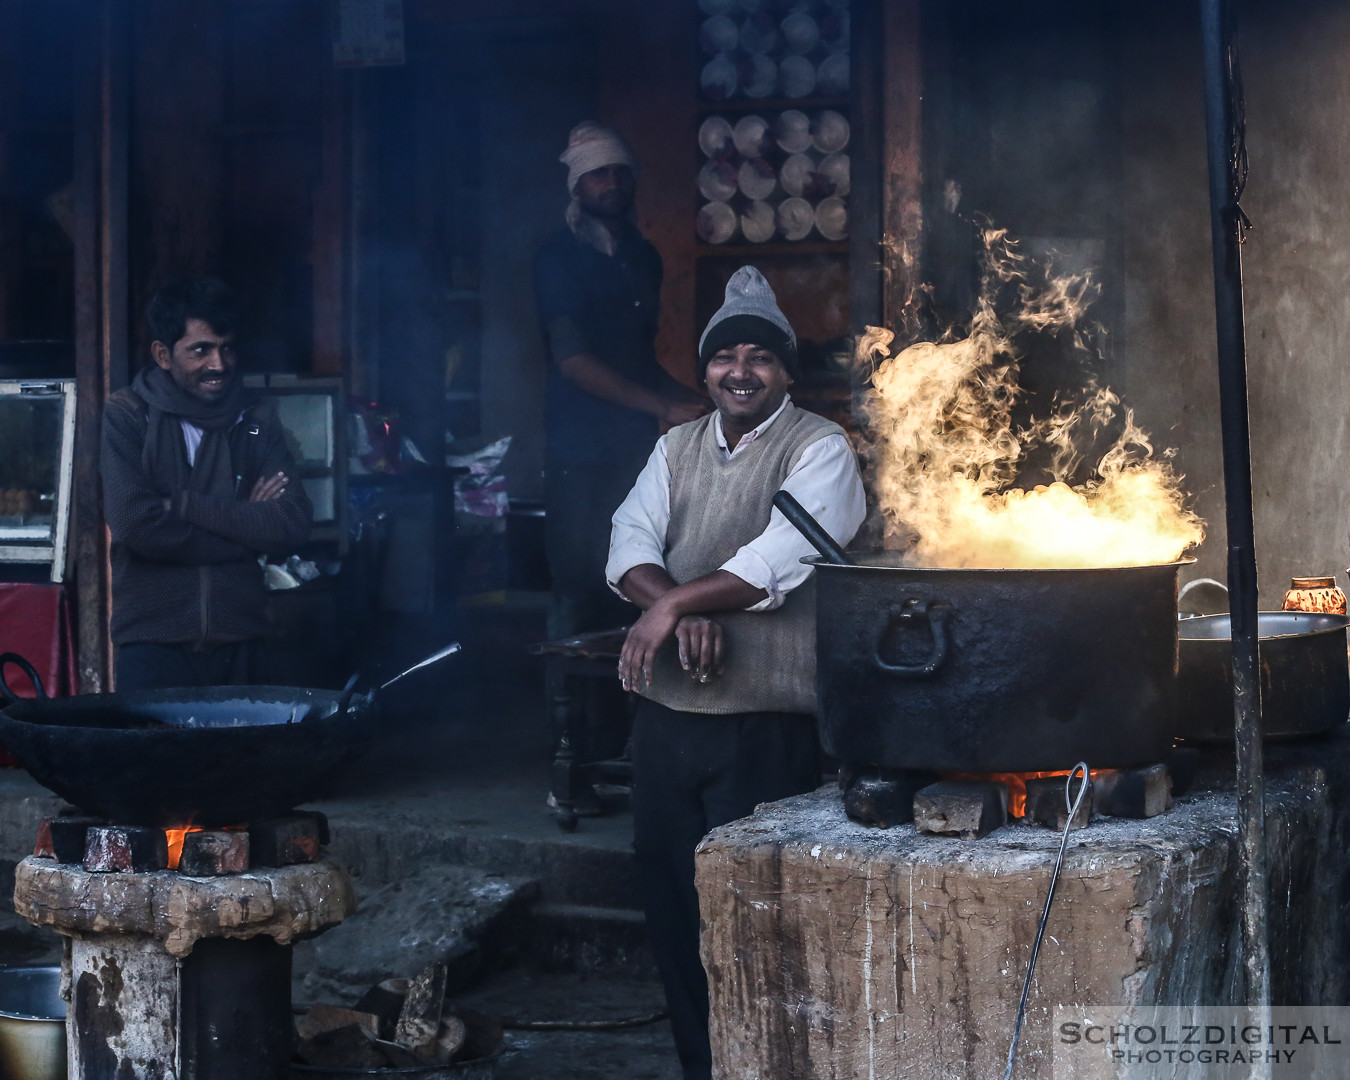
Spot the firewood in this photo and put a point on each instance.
(285, 840)
(70, 835)
(400, 1057)
(966, 808)
(385, 999)
(1045, 804)
(347, 1047)
(1134, 793)
(450, 1040)
(125, 849)
(420, 1017)
(214, 853)
(323, 1018)
(881, 797)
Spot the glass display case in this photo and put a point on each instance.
(312, 413)
(37, 446)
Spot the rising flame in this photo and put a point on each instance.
(945, 449)
(1017, 784)
(176, 838)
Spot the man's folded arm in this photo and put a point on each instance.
(142, 518)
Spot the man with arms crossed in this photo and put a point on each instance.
(197, 483)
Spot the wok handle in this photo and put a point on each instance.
(11, 698)
(914, 613)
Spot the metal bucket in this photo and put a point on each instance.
(995, 670)
(1305, 684)
(32, 1024)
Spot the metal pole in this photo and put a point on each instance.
(1223, 140)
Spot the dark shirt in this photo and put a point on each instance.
(607, 306)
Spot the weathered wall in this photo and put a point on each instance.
(1295, 61)
(1082, 128)
(1295, 266)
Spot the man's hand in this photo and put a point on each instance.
(648, 634)
(681, 411)
(700, 641)
(268, 488)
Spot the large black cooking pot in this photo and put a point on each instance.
(995, 670)
(1305, 684)
(218, 756)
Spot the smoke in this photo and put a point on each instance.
(949, 446)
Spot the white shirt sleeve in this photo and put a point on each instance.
(827, 484)
(639, 528)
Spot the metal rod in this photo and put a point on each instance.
(810, 528)
(1225, 221)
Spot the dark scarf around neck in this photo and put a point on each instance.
(157, 388)
(169, 403)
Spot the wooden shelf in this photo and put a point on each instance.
(780, 247)
(778, 104)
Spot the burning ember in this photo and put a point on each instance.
(946, 450)
(1017, 784)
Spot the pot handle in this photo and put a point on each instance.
(914, 613)
(11, 698)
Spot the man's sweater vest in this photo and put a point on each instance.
(717, 505)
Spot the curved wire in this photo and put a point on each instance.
(1073, 806)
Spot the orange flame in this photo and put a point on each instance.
(1017, 784)
(946, 450)
(176, 838)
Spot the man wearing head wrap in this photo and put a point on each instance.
(724, 652)
(597, 286)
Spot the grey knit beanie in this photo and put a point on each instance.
(749, 315)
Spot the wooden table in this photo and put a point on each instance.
(570, 661)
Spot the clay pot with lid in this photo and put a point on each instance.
(1317, 594)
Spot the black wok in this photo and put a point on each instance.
(213, 756)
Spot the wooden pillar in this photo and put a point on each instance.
(100, 309)
(649, 91)
(332, 227)
(11, 37)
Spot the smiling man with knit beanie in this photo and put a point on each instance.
(724, 651)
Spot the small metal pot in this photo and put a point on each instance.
(32, 1024)
(1305, 683)
(995, 670)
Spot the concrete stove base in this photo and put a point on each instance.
(834, 949)
(179, 978)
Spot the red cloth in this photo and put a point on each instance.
(35, 623)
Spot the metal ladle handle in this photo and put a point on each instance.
(810, 528)
(449, 650)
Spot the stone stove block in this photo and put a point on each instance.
(125, 849)
(178, 911)
(211, 853)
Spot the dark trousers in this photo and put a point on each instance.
(691, 773)
(579, 503)
(148, 665)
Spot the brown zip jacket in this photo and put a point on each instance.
(185, 562)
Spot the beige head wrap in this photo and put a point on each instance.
(592, 145)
